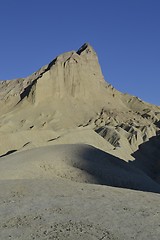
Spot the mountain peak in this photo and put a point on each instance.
(85, 48)
(73, 74)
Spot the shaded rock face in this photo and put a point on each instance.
(71, 74)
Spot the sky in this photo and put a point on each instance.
(124, 33)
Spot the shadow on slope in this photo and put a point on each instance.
(147, 158)
(113, 171)
(80, 163)
(8, 153)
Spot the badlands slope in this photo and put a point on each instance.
(72, 148)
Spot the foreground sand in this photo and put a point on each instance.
(58, 209)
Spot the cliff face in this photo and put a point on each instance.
(73, 74)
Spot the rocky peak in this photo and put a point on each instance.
(73, 74)
(86, 48)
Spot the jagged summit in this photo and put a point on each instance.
(86, 48)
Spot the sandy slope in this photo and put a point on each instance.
(76, 162)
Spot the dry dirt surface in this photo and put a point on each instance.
(56, 209)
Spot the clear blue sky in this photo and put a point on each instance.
(124, 33)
